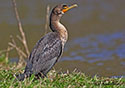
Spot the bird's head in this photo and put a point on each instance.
(59, 10)
(56, 15)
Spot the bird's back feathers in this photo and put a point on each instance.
(44, 55)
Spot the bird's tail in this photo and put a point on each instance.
(20, 77)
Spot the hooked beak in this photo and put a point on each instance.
(70, 7)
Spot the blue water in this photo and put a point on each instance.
(99, 49)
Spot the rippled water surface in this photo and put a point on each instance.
(102, 54)
(96, 28)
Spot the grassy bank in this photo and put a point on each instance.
(57, 80)
(74, 79)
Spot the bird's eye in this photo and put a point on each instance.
(65, 6)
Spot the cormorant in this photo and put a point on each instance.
(49, 48)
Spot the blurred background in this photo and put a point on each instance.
(96, 28)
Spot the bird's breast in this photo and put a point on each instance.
(61, 30)
(62, 33)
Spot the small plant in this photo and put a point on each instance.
(2, 58)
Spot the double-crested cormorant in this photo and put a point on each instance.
(49, 48)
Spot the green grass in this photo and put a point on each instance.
(55, 80)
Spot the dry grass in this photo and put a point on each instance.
(23, 52)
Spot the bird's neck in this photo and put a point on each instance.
(56, 26)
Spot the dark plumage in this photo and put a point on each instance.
(48, 49)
